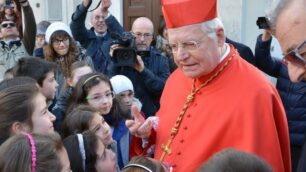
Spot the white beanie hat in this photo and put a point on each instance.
(56, 26)
(121, 83)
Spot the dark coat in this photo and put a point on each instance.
(292, 94)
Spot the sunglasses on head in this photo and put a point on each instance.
(295, 57)
(5, 25)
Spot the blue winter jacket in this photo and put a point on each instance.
(96, 47)
(292, 94)
(148, 84)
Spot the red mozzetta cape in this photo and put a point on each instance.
(239, 109)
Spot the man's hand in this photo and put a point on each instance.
(266, 35)
(139, 126)
(139, 66)
(105, 4)
(86, 3)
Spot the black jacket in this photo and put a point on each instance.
(292, 94)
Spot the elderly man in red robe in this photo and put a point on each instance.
(215, 100)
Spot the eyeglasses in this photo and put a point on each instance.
(295, 57)
(99, 98)
(5, 25)
(58, 41)
(188, 46)
(97, 18)
(145, 35)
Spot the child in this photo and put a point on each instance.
(95, 90)
(124, 94)
(87, 153)
(23, 109)
(40, 70)
(38, 152)
(83, 118)
(78, 69)
(232, 160)
(144, 164)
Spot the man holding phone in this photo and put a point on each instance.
(292, 94)
(12, 47)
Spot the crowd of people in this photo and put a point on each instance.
(190, 99)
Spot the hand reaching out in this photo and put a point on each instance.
(139, 126)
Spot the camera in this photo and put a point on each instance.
(263, 23)
(126, 55)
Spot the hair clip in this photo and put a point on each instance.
(138, 165)
(33, 151)
(90, 78)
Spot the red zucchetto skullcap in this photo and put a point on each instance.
(179, 13)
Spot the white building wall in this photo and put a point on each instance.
(67, 7)
(239, 16)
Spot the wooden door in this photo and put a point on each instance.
(133, 9)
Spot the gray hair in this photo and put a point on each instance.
(210, 27)
(276, 12)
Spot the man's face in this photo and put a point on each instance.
(9, 30)
(291, 32)
(98, 22)
(196, 54)
(144, 35)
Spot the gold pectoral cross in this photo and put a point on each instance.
(166, 150)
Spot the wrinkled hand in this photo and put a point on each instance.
(139, 66)
(139, 126)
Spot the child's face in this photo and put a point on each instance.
(77, 74)
(42, 119)
(101, 128)
(125, 99)
(101, 97)
(106, 160)
(49, 86)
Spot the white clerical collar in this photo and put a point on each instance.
(227, 51)
(99, 34)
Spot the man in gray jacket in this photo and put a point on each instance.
(11, 47)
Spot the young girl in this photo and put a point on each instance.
(38, 152)
(87, 153)
(83, 118)
(23, 109)
(95, 90)
(124, 94)
(78, 69)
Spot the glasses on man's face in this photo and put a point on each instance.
(295, 57)
(5, 25)
(139, 35)
(59, 41)
(188, 46)
(98, 18)
(100, 97)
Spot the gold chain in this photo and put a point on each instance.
(166, 148)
